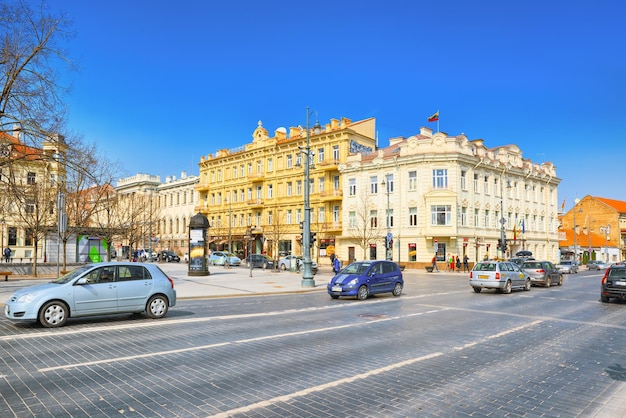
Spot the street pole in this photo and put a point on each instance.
(307, 275)
(388, 238)
(575, 251)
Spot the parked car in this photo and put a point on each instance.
(259, 260)
(503, 276)
(614, 283)
(543, 273)
(286, 262)
(597, 265)
(567, 266)
(364, 278)
(95, 289)
(168, 256)
(520, 260)
(219, 258)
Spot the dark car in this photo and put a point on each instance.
(614, 283)
(364, 278)
(543, 273)
(260, 260)
(169, 256)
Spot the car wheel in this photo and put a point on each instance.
(528, 284)
(283, 267)
(604, 298)
(397, 289)
(53, 314)
(560, 282)
(157, 307)
(548, 281)
(363, 293)
(477, 289)
(507, 287)
(264, 266)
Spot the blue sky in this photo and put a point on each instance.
(162, 83)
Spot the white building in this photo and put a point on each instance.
(449, 195)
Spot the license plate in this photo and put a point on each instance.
(336, 289)
(483, 276)
(620, 283)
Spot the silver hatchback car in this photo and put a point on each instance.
(95, 289)
(500, 275)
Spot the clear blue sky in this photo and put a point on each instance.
(162, 83)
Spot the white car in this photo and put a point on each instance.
(567, 266)
(286, 263)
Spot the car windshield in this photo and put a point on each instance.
(230, 255)
(566, 263)
(619, 272)
(528, 265)
(485, 267)
(356, 268)
(71, 275)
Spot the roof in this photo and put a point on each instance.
(618, 205)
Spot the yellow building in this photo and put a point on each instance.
(253, 195)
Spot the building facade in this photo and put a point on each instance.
(253, 194)
(446, 195)
(594, 229)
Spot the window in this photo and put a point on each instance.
(336, 152)
(374, 184)
(289, 161)
(463, 180)
(270, 217)
(289, 188)
(475, 183)
(336, 185)
(242, 171)
(234, 171)
(311, 186)
(476, 218)
(28, 237)
(258, 218)
(413, 216)
(249, 193)
(320, 187)
(259, 193)
(219, 175)
(298, 215)
(320, 155)
(440, 178)
(270, 191)
(389, 183)
(298, 160)
(389, 218)
(336, 213)
(486, 185)
(412, 180)
(242, 195)
(31, 178)
(373, 219)
(321, 214)
(12, 235)
(352, 219)
(463, 216)
(30, 207)
(249, 168)
(298, 187)
(487, 225)
(289, 216)
(441, 215)
(352, 187)
(270, 164)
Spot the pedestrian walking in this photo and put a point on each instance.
(434, 261)
(451, 263)
(458, 264)
(7, 254)
(465, 263)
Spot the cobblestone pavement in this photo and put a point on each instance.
(439, 350)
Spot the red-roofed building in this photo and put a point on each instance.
(600, 226)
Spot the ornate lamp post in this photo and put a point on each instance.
(575, 251)
(307, 275)
(389, 238)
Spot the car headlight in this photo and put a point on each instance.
(353, 282)
(26, 298)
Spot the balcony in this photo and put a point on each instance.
(255, 203)
(329, 195)
(255, 178)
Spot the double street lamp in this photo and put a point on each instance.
(307, 275)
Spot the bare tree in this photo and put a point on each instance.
(31, 56)
(363, 227)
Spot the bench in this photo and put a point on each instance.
(6, 275)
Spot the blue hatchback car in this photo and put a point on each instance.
(364, 278)
(95, 289)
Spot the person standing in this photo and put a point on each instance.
(7, 254)
(458, 264)
(336, 264)
(451, 263)
(465, 263)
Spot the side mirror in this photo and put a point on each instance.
(81, 281)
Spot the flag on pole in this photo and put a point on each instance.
(563, 205)
(523, 227)
(514, 232)
(434, 117)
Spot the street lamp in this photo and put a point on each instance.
(503, 219)
(307, 275)
(575, 252)
(3, 221)
(607, 231)
(388, 239)
(230, 224)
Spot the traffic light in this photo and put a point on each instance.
(313, 239)
(499, 243)
(504, 246)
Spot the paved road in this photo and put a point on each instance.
(439, 350)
